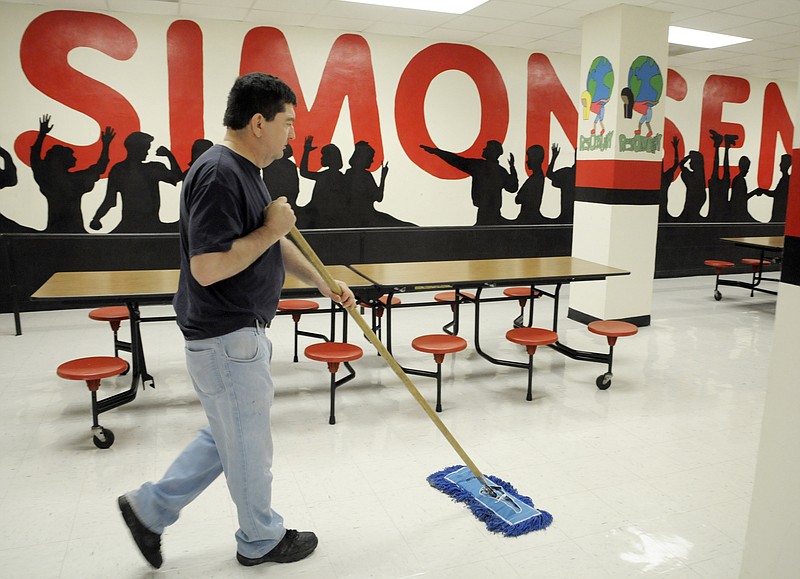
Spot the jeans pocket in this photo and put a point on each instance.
(203, 366)
(242, 347)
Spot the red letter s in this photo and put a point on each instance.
(44, 52)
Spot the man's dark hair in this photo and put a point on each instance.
(253, 93)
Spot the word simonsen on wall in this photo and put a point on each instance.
(104, 113)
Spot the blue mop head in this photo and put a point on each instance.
(508, 512)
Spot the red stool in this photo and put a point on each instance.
(439, 345)
(719, 266)
(523, 294)
(756, 264)
(453, 298)
(531, 338)
(297, 308)
(377, 311)
(611, 329)
(335, 353)
(92, 370)
(114, 315)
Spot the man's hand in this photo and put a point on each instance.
(279, 217)
(346, 299)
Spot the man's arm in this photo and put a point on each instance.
(296, 263)
(209, 268)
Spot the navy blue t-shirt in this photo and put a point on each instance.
(223, 199)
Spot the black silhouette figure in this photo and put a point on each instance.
(8, 178)
(719, 185)
(780, 195)
(529, 197)
(199, 147)
(667, 176)
(489, 179)
(136, 181)
(362, 192)
(563, 179)
(737, 208)
(281, 178)
(693, 176)
(61, 186)
(327, 205)
(8, 174)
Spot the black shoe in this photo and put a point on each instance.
(149, 543)
(293, 547)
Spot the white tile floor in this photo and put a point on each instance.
(652, 477)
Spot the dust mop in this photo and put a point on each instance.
(492, 500)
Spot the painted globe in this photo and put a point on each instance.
(645, 80)
(600, 80)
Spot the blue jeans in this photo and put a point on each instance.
(231, 375)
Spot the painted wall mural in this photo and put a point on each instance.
(113, 108)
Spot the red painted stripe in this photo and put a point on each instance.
(618, 174)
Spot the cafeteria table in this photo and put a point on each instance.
(139, 287)
(772, 245)
(478, 274)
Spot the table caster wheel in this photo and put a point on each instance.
(604, 381)
(717, 295)
(104, 438)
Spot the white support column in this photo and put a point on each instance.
(620, 148)
(772, 543)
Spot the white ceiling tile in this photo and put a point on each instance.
(502, 39)
(793, 19)
(273, 18)
(474, 24)
(763, 29)
(678, 12)
(336, 23)
(398, 29)
(212, 12)
(451, 35)
(548, 46)
(562, 17)
(221, 3)
(591, 5)
(532, 30)
(714, 22)
(418, 17)
(144, 7)
(712, 4)
(508, 10)
(356, 10)
(574, 36)
(777, 9)
(302, 6)
(536, 25)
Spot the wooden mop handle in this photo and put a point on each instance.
(312, 257)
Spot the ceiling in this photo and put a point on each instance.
(548, 26)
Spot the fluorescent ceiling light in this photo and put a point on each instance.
(702, 39)
(449, 6)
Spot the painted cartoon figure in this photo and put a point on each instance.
(645, 85)
(599, 83)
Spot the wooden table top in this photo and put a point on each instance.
(154, 283)
(478, 271)
(766, 242)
